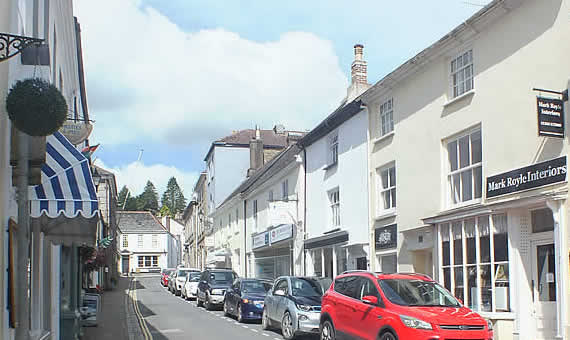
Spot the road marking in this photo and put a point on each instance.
(174, 330)
(142, 322)
(244, 326)
(265, 334)
(254, 330)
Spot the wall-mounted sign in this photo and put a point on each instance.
(76, 131)
(550, 117)
(529, 177)
(281, 233)
(386, 237)
(260, 240)
(282, 212)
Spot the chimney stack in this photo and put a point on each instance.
(359, 74)
(255, 152)
(167, 223)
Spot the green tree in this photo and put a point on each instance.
(165, 211)
(148, 199)
(173, 198)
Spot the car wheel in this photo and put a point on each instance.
(265, 322)
(239, 315)
(287, 328)
(207, 303)
(198, 302)
(387, 336)
(327, 331)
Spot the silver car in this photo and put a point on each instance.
(294, 305)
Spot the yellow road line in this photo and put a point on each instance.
(142, 321)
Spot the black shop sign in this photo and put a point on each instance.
(529, 177)
(550, 117)
(386, 237)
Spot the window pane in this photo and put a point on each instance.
(485, 254)
(542, 220)
(392, 177)
(472, 300)
(464, 152)
(466, 185)
(393, 198)
(476, 153)
(500, 238)
(459, 283)
(502, 302)
(384, 175)
(455, 188)
(447, 278)
(445, 244)
(388, 263)
(386, 196)
(457, 244)
(486, 291)
(470, 241)
(546, 273)
(452, 153)
(478, 179)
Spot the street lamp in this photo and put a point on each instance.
(96, 177)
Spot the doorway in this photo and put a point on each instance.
(125, 264)
(544, 288)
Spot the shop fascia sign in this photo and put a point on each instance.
(386, 237)
(266, 238)
(530, 177)
(260, 240)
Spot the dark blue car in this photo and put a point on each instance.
(245, 298)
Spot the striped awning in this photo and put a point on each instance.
(67, 187)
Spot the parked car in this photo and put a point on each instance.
(294, 305)
(180, 279)
(171, 281)
(164, 273)
(364, 305)
(190, 287)
(245, 298)
(213, 286)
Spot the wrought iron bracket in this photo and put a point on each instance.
(11, 45)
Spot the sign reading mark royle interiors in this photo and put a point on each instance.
(386, 237)
(529, 177)
(550, 117)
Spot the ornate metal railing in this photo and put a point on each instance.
(11, 45)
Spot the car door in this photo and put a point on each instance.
(273, 299)
(203, 285)
(281, 301)
(233, 295)
(370, 318)
(345, 304)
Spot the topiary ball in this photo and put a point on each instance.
(36, 107)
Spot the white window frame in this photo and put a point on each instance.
(155, 241)
(236, 228)
(255, 212)
(381, 210)
(333, 148)
(140, 240)
(387, 116)
(461, 74)
(270, 196)
(285, 189)
(334, 203)
(451, 176)
(125, 241)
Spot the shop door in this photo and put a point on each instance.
(125, 264)
(544, 288)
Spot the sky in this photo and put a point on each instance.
(165, 78)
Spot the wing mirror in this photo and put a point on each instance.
(279, 292)
(370, 300)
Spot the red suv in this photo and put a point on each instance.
(366, 305)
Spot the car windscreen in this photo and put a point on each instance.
(194, 276)
(182, 273)
(251, 287)
(306, 287)
(406, 292)
(222, 277)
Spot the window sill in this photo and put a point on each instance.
(469, 93)
(381, 138)
(330, 166)
(385, 214)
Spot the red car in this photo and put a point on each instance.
(164, 273)
(365, 305)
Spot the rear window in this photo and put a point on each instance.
(222, 277)
(348, 286)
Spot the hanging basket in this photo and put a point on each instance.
(36, 107)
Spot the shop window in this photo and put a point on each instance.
(542, 220)
(388, 263)
(475, 261)
(465, 168)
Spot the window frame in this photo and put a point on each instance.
(332, 148)
(154, 241)
(450, 200)
(255, 215)
(447, 227)
(454, 91)
(285, 190)
(334, 204)
(270, 196)
(125, 240)
(386, 116)
(140, 241)
(381, 190)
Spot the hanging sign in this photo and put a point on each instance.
(529, 177)
(550, 117)
(386, 237)
(76, 131)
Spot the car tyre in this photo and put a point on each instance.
(239, 315)
(265, 322)
(387, 336)
(287, 328)
(327, 331)
(207, 303)
(198, 302)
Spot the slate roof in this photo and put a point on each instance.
(139, 222)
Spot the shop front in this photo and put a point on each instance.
(330, 255)
(508, 258)
(272, 252)
(386, 244)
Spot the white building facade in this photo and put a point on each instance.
(461, 182)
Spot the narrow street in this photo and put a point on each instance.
(171, 317)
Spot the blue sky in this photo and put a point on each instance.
(171, 76)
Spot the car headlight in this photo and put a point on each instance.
(489, 325)
(415, 323)
(304, 308)
(217, 292)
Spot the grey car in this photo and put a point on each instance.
(294, 305)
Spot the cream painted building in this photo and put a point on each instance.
(462, 187)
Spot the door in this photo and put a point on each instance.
(125, 262)
(280, 302)
(368, 317)
(544, 288)
(344, 306)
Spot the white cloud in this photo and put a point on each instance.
(136, 174)
(147, 78)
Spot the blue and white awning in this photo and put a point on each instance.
(67, 187)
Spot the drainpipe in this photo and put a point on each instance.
(245, 238)
(304, 210)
